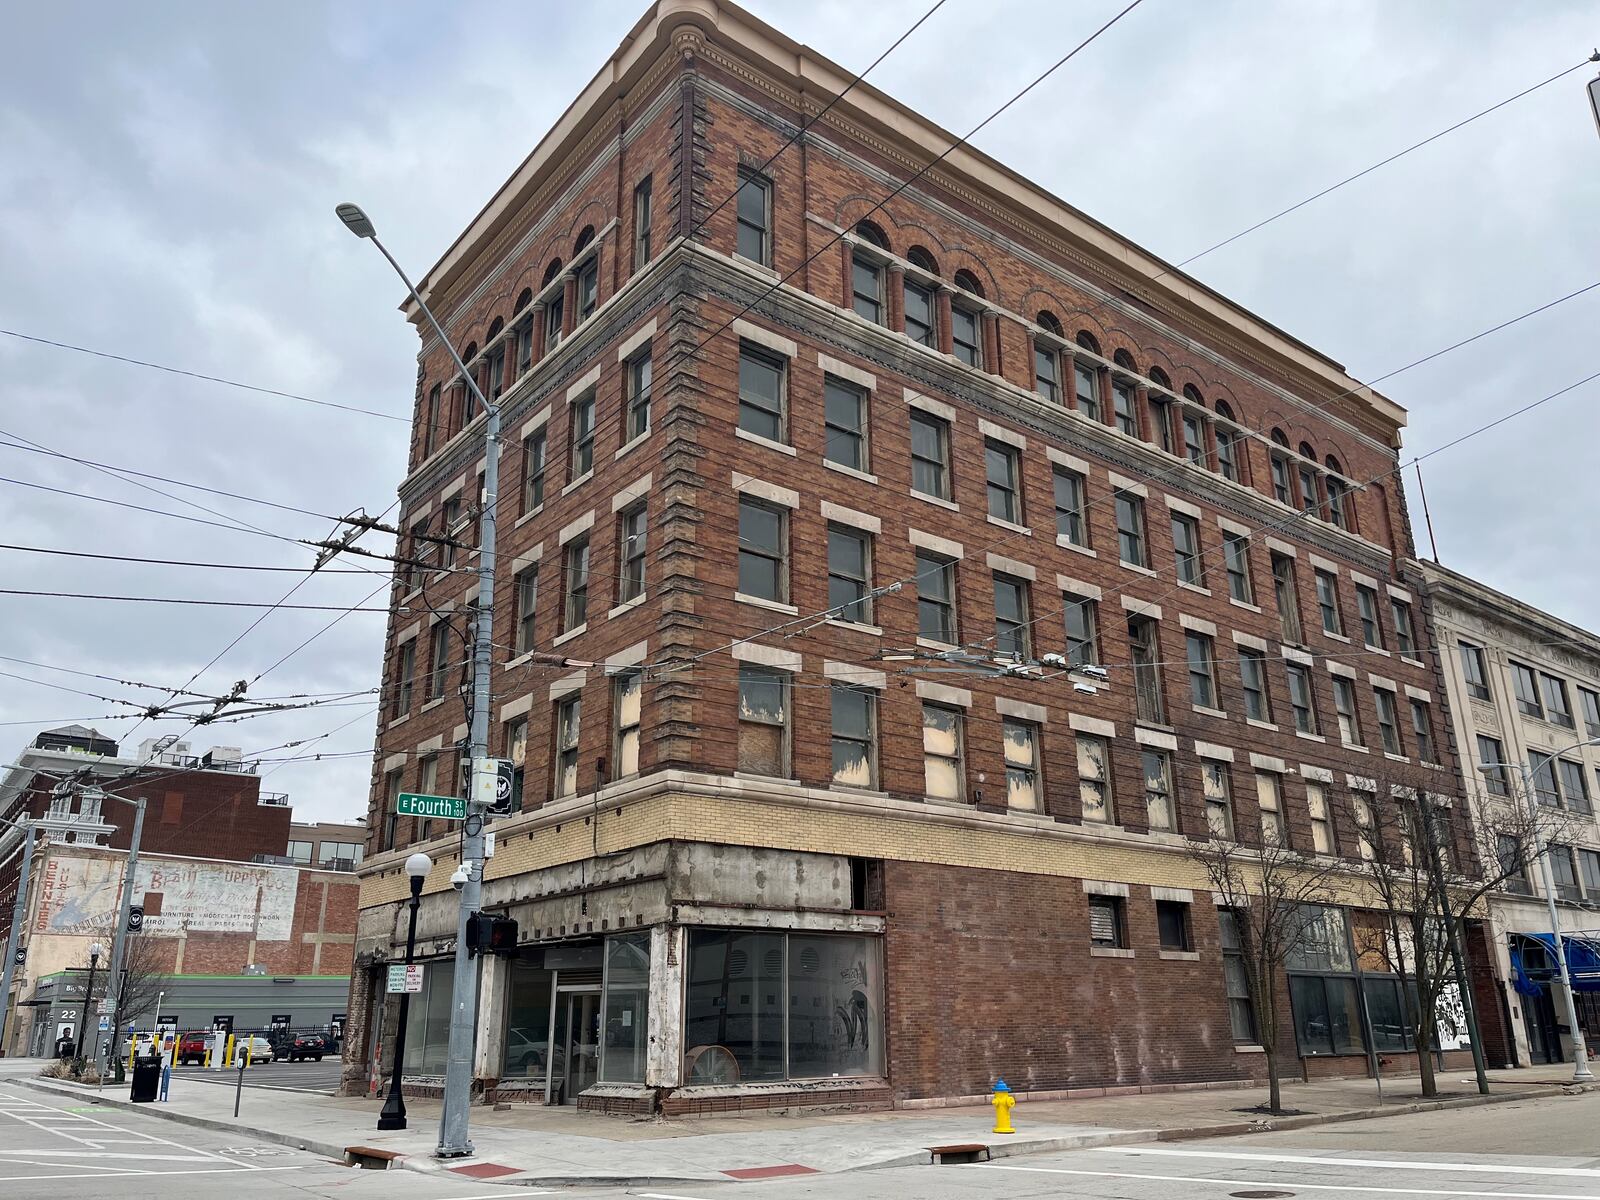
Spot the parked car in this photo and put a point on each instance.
(138, 1042)
(308, 1045)
(255, 1045)
(192, 1047)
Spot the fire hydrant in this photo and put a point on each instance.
(1002, 1101)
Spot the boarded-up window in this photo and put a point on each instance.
(152, 903)
(172, 808)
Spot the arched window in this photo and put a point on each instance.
(524, 299)
(1050, 323)
(1194, 427)
(554, 308)
(1086, 382)
(966, 337)
(522, 332)
(1161, 410)
(920, 314)
(918, 256)
(1310, 494)
(1282, 489)
(584, 239)
(495, 327)
(494, 372)
(1228, 456)
(1047, 360)
(968, 282)
(469, 401)
(1192, 395)
(1123, 415)
(550, 273)
(866, 275)
(1338, 494)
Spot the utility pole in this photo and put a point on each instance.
(119, 939)
(454, 1141)
(18, 911)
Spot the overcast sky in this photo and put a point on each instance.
(167, 187)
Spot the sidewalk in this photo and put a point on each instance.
(560, 1146)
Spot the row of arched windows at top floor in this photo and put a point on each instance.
(909, 296)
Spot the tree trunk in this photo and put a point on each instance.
(1274, 1088)
(1426, 1001)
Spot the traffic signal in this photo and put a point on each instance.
(491, 934)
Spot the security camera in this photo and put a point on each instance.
(1094, 672)
(1088, 689)
(459, 877)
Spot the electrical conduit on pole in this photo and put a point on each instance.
(18, 910)
(454, 1141)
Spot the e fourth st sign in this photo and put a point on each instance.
(450, 808)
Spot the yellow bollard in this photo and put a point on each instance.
(227, 1052)
(1002, 1101)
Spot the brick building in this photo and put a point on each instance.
(1070, 556)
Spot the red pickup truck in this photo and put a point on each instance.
(192, 1047)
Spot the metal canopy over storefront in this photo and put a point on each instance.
(1533, 959)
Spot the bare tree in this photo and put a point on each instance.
(144, 978)
(1432, 866)
(1271, 893)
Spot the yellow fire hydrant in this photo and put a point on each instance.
(1002, 1101)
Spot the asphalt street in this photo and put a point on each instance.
(306, 1076)
(1528, 1150)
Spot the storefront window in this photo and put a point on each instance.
(626, 1005)
(1327, 1014)
(428, 1021)
(527, 1043)
(738, 1027)
(1390, 1010)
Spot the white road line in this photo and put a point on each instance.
(136, 1137)
(1390, 1164)
(1297, 1183)
(666, 1196)
(207, 1171)
(75, 1155)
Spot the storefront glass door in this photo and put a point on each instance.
(578, 1034)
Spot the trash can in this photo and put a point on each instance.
(146, 1078)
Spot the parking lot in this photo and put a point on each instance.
(307, 1076)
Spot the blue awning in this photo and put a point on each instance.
(1583, 960)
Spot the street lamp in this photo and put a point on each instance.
(453, 1139)
(1580, 1052)
(95, 950)
(393, 1115)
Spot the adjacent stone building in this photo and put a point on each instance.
(897, 568)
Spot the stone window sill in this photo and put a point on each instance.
(757, 439)
(1209, 712)
(1109, 952)
(1138, 570)
(575, 631)
(1180, 955)
(939, 500)
(578, 482)
(1194, 587)
(526, 517)
(1069, 544)
(627, 604)
(857, 626)
(1011, 525)
(760, 602)
(850, 471)
(1255, 608)
(634, 444)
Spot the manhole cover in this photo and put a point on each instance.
(1260, 1195)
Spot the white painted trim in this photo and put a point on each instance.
(941, 693)
(767, 656)
(646, 332)
(787, 497)
(565, 686)
(847, 372)
(575, 527)
(589, 379)
(765, 337)
(1022, 710)
(1156, 738)
(856, 674)
(939, 545)
(850, 517)
(1001, 434)
(1011, 566)
(1079, 723)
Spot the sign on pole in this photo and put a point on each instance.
(450, 808)
(107, 1006)
(403, 978)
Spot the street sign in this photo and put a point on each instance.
(107, 1006)
(105, 1024)
(403, 978)
(450, 808)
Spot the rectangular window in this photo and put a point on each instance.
(930, 455)
(525, 594)
(580, 437)
(588, 289)
(638, 383)
(439, 660)
(1590, 702)
(854, 760)
(1566, 877)
(1236, 558)
(965, 338)
(1081, 619)
(300, 852)
(1404, 637)
(1344, 703)
(1526, 685)
(1309, 498)
(569, 715)
(936, 598)
(1002, 469)
(533, 472)
(630, 553)
(643, 202)
(1513, 865)
(524, 336)
(1106, 926)
(1545, 785)
(1194, 440)
(1281, 490)
(554, 319)
(1202, 670)
(1047, 372)
(404, 678)
(1130, 529)
(763, 550)
(393, 785)
(1236, 978)
(1161, 410)
(1086, 377)
(497, 371)
(761, 401)
(920, 325)
(1172, 925)
(1069, 494)
(421, 554)
(844, 415)
(1094, 778)
(1302, 699)
(1158, 804)
(1144, 648)
(1492, 766)
(1589, 863)
(763, 721)
(1269, 799)
(1011, 625)
(1023, 789)
(627, 690)
(1474, 670)
(1322, 839)
(515, 741)
(943, 773)
(1328, 602)
(1287, 597)
(1218, 788)
(430, 428)
(1123, 415)
(452, 520)
(1556, 708)
(1367, 609)
(1388, 720)
(1227, 453)
(1253, 677)
(866, 287)
(1422, 730)
(754, 218)
(1574, 786)
(849, 574)
(575, 565)
(1186, 548)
